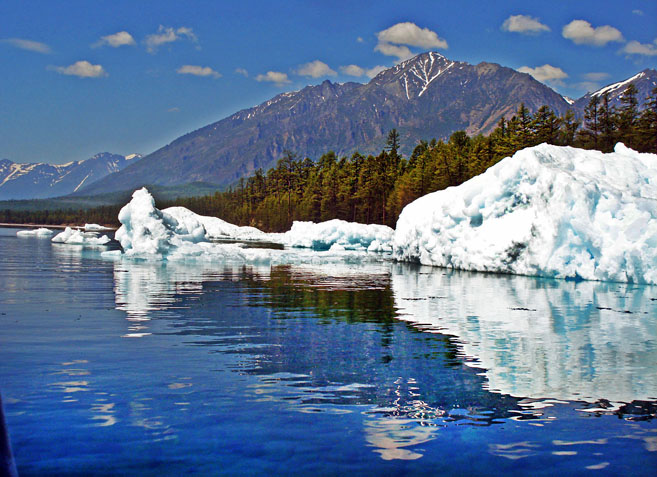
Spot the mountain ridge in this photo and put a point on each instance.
(42, 180)
(423, 97)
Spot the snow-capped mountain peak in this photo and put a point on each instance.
(621, 84)
(415, 75)
(42, 180)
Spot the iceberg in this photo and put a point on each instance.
(146, 230)
(78, 237)
(546, 211)
(40, 233)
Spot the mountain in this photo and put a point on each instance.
(644, 82)
(41, 180)
(424, 97)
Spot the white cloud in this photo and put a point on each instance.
(375, 70)
(168, 35)
(315, 69)
(28, 45)
(198, 71)
(355, 70)
(242, 71)
(582, 33)
(175, 109)
(524, 24)
(121, 38)
(638, 12)
(636, 48)
(352, 70)
(586, 86)
(595, 76)
(81, 69)
(545, 73)
(401, 52)
(360, 39)
(274, 77)
(394, 41)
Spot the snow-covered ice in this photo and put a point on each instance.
(339, 235)
(215, 228)
(40, 233)
(146, 230)
(177, 233)
(547, 211)
(78, 237)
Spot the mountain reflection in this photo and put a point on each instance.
(537, 338)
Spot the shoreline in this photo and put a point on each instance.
(60, 227)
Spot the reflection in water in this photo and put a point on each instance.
(547, 341)
(316, 360)
(101, 408)
(391, 437)
(541, 338)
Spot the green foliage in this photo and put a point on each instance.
(375, 189)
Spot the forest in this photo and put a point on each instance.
(374, 189)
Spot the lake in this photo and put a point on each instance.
(152, 368)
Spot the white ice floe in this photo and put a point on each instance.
(215, 228)
(339, 235)
(92, 227)
(40, 233)
(548, 211)
(79, 237)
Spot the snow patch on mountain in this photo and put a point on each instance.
(619, 85)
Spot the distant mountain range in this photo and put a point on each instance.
(644, 82)
(41, 180)
(424, 97)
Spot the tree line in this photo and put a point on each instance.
(374, 189)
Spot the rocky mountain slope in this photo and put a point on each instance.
(644, 82)
(424, 97)
(41, 180)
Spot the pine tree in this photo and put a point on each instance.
(592, 120)
(568, 129)
(545, 126)
(392, 144)
(627, 117)
(647, 124)
(607, 122)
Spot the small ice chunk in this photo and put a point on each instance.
(338, 233)
(39, 233)
(215, 227)
(90, 227)
(78, 237)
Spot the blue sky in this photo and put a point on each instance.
(82, 77)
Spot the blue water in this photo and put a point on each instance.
(115, 367)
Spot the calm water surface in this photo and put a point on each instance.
(117, 367)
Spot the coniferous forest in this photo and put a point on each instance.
(374, 189)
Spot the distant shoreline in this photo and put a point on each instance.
(36, 226)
